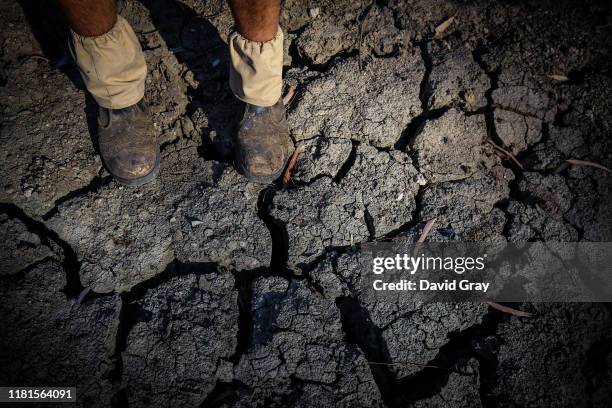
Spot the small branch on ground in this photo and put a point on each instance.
(410, 363)
(560, 78)
(289, 95)
(576, 162)
(509, 310)
(426, 229)
(292, 161)
(506, 153)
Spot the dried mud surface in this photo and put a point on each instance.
(203, 289)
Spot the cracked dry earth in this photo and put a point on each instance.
(205, 290)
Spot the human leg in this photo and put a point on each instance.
(90, 18)
(256, 20)
(256, 51)
(113, 68)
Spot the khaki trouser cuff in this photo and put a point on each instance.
(256, 70)
(112, 65)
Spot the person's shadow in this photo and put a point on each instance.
(195, 42)
(198, 45)
(52, 33)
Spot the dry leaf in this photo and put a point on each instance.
(470, 99)
(509, 310)
(588, 163)
(560, 78)
(426, 230)
(506, 152)
(291, 165)
(442, 27)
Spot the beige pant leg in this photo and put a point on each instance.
(112, 65)
(256, 70)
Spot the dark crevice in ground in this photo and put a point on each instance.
(225, 394)
(478, 341)
(451, 358)
(245, 319)
(278, 233)
(333, 60)
(127, 318)
(296, 58)
(95, 184)
(598, 356)
(348, 164)
(344, 169)
(131, 314)
(428, 62)
(489, 110)
(361, 331)
(16, 277)
(503, 205)
(305, 268)
(489, 114)
(598, 369)
(298, 61)
(415, 219)
(70, 261)
(428, 381)
(165, 145)
(416, 124)
(528, 159)
(369, 221)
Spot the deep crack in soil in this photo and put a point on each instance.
(395, 117)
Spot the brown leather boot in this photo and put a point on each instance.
(262, 143)
(128, 144)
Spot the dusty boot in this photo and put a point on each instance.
(128, 144)
(262, 143)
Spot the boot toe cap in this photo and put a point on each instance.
(132, 164)
(264, 164)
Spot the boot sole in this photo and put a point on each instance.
(150, 176)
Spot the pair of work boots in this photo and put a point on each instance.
(129, 148)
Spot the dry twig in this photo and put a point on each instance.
(588, 163)
(289, 95)
(426, 229)
(560, 78)
(360, 40)
(505, 152)
(509, 310)
(292, 161)
(409, 363)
